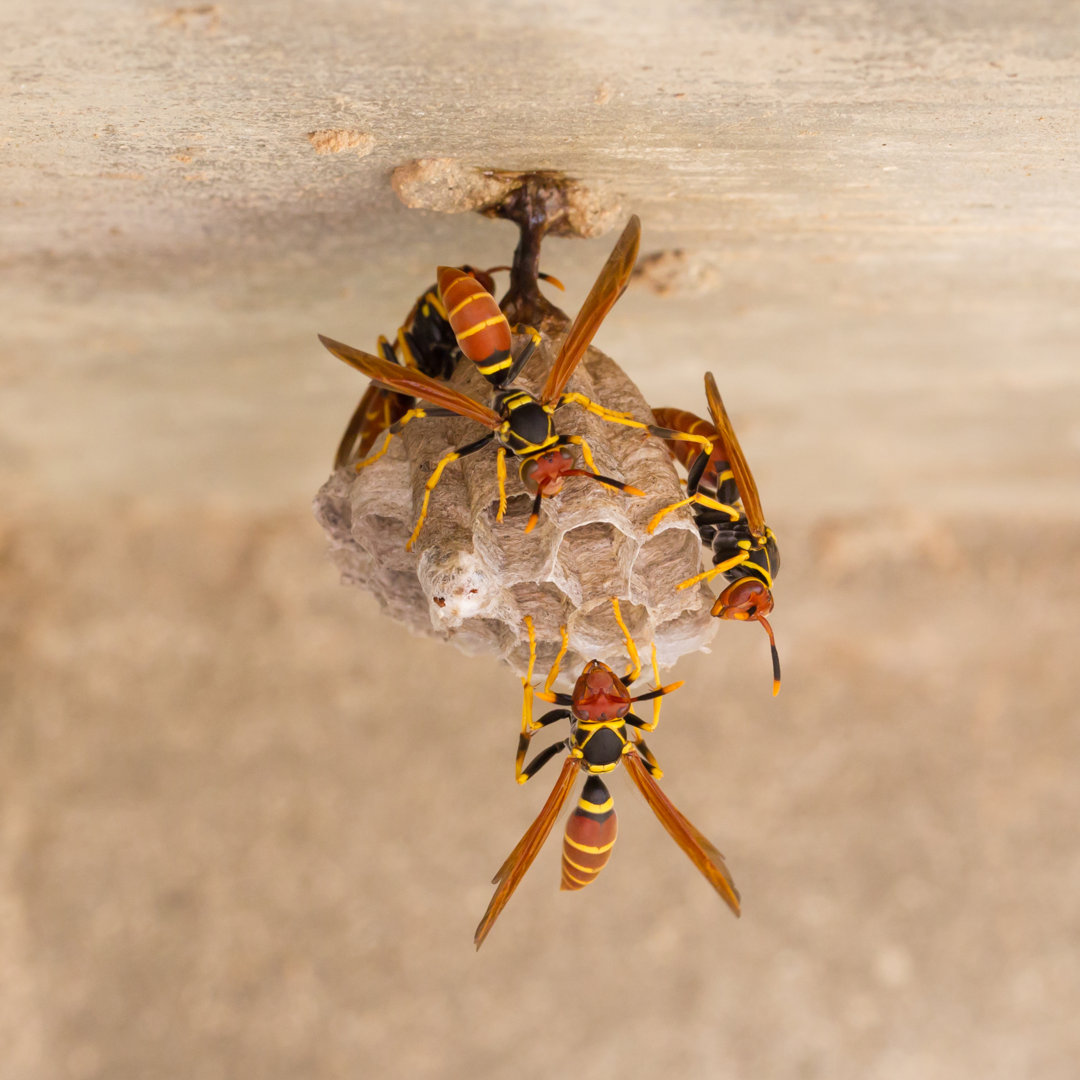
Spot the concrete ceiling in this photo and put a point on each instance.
(876, 205)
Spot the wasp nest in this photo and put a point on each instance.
(471, 580)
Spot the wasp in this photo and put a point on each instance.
(522, 425)
(603, 734)
(427, 342)
(718, 484)
(424, 342)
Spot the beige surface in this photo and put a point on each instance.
(246, 825)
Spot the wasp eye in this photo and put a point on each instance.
(528, 476)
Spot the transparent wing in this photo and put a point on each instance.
(744, 478)
(414, 383)
(528, 847)
(606, 290)
(701, 852)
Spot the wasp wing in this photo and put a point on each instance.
(528, 847)
(606, 290)
(701, 852)
(413, 383)
(378, 409)
(744, 478)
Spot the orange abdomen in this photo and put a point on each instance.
(481, 329)
(590, 836)
(681, 420)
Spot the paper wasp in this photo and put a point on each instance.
(424, 342)
(427, 342)
(522, 425)
(743, 546)
(603, 733)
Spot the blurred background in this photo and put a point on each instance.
(248, 823)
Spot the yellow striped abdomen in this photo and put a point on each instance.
(590, 836)
(481, 329)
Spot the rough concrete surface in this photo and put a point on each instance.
(247, 824)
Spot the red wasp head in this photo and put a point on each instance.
(483, 276)
(599, 694)
(545, 474)
(748, 599)
(745, 598)
(447, 275)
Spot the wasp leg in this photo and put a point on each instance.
(386, 350)
(629, 421)
(553, 674)
(391, 431)
(668, 434)
(526, 682)
(523, 774)
(407, 358)
(395, 429)
(655, 519)
(719, 568)
(514, 370)
(529, 727)
(574, 398)
(696, 471)
(698, 500)
(434, 478)
(500, 469)
(586, 450)
(634, 670)
(654, 696)
(638, 743)
(550, 278)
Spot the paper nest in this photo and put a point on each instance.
(471, 580)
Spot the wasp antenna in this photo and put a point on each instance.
(534, 516)
(551, 279)
(660, 691)
(607, 481)
(775, 655)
